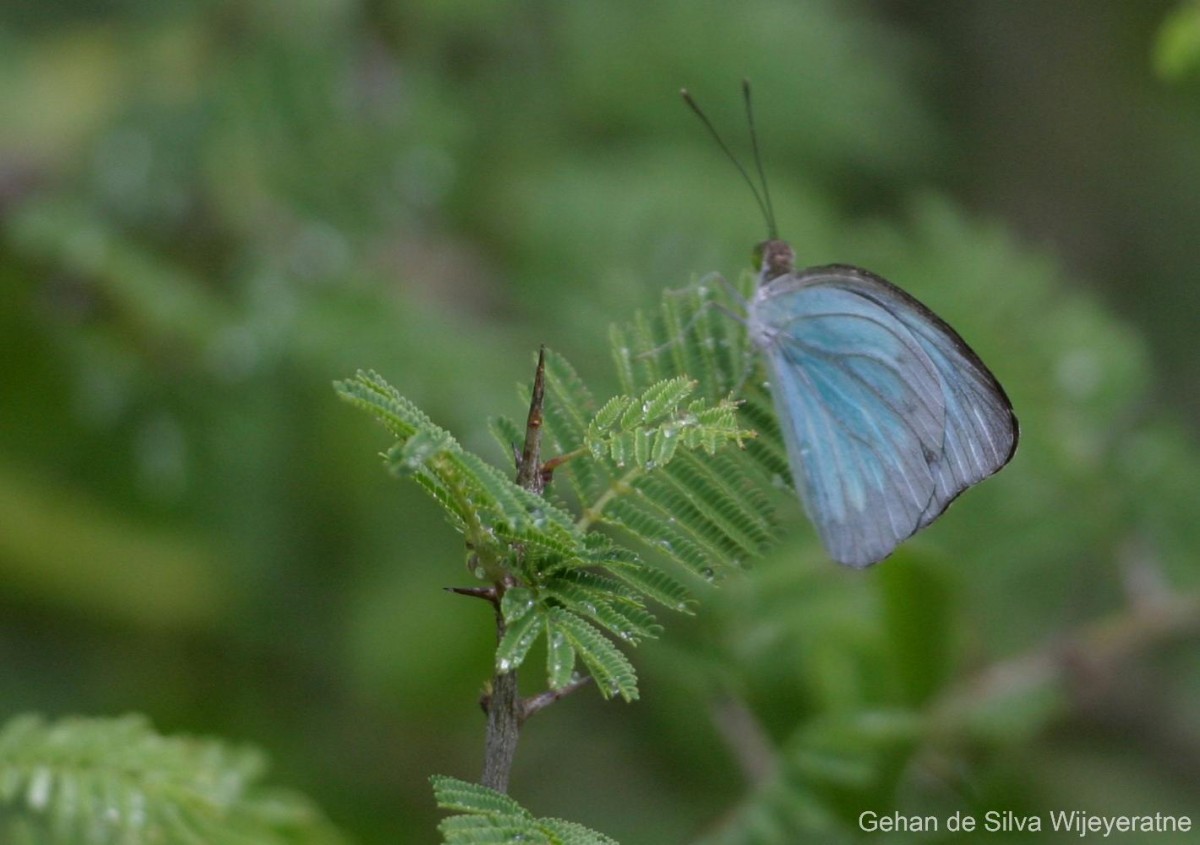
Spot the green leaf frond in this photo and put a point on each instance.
(493, 512)
(611, 669)
(656, 462)
(519, 636)
(562, 615)
(81, 781)
(487, 817)
(562, 590)
(703, 507)
(622, 616)
(645, 431)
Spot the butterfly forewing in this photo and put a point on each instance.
(887, 414)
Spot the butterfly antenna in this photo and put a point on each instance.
(762, 176)
(712, 130)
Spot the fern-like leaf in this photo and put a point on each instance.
(710, 507)
(516, 535)
(519, 636)
(483, 503)
(100, 781)
(657, 585)
(625, 619)
(573, 833)
(650, 461)
(472, 798)
(645, 431)
(560, 659)
(487, 817)
(612, 670)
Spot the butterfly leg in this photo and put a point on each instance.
(687, 338)
(701, 289)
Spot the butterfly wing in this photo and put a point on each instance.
(886, 412)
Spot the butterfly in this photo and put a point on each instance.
(886, 413)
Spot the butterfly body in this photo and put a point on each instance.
(886, 413)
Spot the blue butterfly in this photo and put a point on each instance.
(887, 414)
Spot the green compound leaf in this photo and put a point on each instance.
(659, 461)
(613, 672)
(84, 781)
(487, 817)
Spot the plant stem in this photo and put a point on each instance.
(504, 707)
(503, 726)
(543, 700)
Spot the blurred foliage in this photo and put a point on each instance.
(83, 781)
(1177, 52)
(209, 211)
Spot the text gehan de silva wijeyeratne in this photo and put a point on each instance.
(1077, 822)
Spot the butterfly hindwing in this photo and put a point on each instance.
(887, 414)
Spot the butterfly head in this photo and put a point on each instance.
(774, 258)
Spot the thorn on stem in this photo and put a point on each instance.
(529, 473)
(491, 593)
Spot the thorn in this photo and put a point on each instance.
(489, 593)
(530, 462)
(551, 465)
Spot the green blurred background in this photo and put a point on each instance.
(210, 210)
